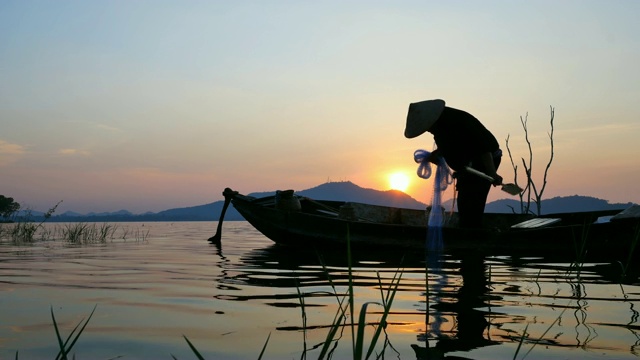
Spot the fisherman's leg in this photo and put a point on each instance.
(472, 196)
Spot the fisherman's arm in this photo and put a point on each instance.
(487, 161)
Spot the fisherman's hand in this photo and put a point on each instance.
(497, 180)
(435, 157)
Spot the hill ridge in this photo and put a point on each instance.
(340, 191)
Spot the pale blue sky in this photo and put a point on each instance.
(148, 105)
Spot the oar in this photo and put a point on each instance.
(228, 194)
(511, 189)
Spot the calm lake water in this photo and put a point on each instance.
(155, 282)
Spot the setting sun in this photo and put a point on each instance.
(399, 181)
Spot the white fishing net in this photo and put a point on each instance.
(443, 178)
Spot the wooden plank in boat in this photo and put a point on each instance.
(326, 212)
(631, 213)
(535, 223)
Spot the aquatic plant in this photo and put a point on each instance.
(576, 266)
(358, 328)
(80, 233)
(525, 335)
(580, 247)
(25, 229)
(67, 345)
(84, 233)
(106, 231)
(193, 348)
(200, 357)
(73, 232)
(23, 232)
(141, 235)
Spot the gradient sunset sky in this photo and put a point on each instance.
(150, 105)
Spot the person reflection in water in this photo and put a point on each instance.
(471, 322)
(462, 141)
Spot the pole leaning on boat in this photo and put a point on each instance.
(228, 195)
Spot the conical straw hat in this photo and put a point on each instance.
(422, 115)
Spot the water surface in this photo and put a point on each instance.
(155, 282)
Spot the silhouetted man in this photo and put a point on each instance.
(462, 141)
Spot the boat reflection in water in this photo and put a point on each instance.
(472, 302)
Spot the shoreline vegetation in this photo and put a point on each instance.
(80, 233)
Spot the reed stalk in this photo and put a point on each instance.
(358, 329)
(539, 338)
(105, 231)
(73, 233)
(338, 319)
(23, 232)
(581, 250)
(141, 235)
(303, 315)
(350, 293)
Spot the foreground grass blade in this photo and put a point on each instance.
(264, 347)
(386, 304)
(64, 350)
(193, 348)
(200, 357)
(524, 333)
(304, 317)
(336, 325)
(362, 323)
(350, 293)
(338, 319)
(545, 332)
(60, 343)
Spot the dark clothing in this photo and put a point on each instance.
(461, 139)
(472, 196)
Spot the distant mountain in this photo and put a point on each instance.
(28, 213)
(560, 204)
(69, 213)
(341, 191)
(348, 191)
(116, 213)
(207, 212)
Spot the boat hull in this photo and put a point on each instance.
(577, 236)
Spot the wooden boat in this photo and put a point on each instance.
(300, 221)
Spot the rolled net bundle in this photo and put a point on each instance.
(441, 181)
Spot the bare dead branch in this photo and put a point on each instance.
(528, 168)
(515, 176)
(546, 170)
